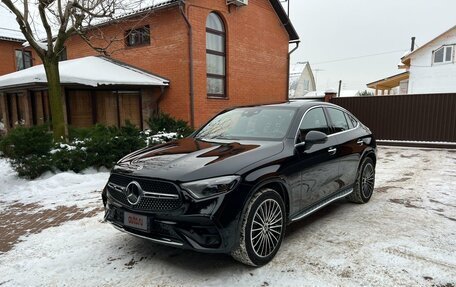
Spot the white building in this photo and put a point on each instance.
(429, 69)
(302, 80)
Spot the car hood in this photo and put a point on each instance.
(192, 159)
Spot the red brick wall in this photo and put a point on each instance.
(8, 57)
(167, 55)
(257, 50)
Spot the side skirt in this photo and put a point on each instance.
(322, 204)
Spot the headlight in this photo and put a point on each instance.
(212, 186)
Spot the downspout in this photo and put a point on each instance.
(190, 64)
(288, 71)
(160, 97)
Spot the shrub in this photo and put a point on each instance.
(23, 142)
(32, 151)
(70, 157)
(106, 145)
(32, 166)
(163, 122)
(28, 150)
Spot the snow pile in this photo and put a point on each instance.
(52, 190)
(159, 138)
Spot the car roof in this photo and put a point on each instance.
(292, 104)
(300, 104)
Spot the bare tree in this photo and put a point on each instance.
(48, 24)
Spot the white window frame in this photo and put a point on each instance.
(444, 55)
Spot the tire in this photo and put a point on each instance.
(365, 182)
(259, 243)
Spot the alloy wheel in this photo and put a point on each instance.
(367, 180)
(266, 228)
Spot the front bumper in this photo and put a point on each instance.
(207, 226)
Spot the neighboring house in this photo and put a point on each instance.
(302, 80)
(429, 69)
(13, 56)
(211, 55)
(112, 92)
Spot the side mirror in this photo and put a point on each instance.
(314, 137)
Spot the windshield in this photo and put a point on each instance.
(257, 123)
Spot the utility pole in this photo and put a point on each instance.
(340, 87)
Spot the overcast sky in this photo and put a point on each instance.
(333, 29)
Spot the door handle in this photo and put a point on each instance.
(332, 151)
(360, 142)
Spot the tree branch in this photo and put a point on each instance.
(41, 9)
(25, 28)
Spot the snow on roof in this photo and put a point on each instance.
(136, 9)
(9, 29)
(90, 71)
(296, 71)
(298, 67)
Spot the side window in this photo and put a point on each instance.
(349, 122)
(338, 120)
(314, 120)
(353, 120)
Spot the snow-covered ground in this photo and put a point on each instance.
(405, 236)
(52, 190)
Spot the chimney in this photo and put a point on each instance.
(413, 44)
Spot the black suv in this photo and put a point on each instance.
(236, 183)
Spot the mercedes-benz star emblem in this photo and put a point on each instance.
(133, 192)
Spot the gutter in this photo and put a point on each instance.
(190, 65)
(288, 71)
(160, 97)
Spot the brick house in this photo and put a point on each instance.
(213, 54)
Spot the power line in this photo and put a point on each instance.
(359, 57)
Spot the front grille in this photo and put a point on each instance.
(148, 185)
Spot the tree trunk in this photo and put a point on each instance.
(51, 67)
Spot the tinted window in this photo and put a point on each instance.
(350, 123)
(353, 120)
(314, 120)
(249, 123)
(338, 120)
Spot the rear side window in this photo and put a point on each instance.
(350, 123)
(314, 120)
(338, 120)
(353, 120)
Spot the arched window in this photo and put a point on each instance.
(215, 56)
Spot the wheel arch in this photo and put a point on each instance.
(276, 183)
(368, 153)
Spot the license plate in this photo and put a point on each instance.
(135, 221)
